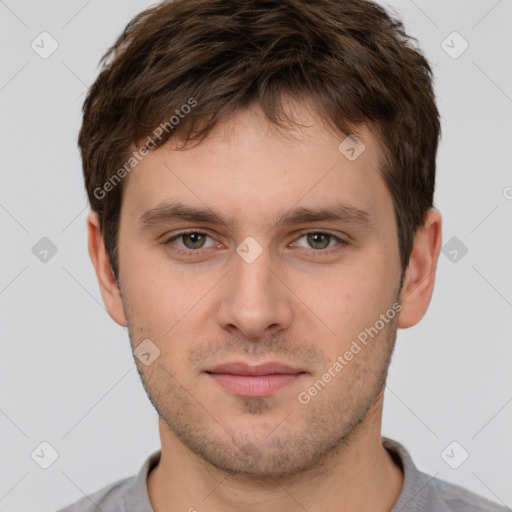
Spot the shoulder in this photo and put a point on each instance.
(424, 493)
(123, 495)
(459, 499)
(107, 499)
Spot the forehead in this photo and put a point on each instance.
(246, 167)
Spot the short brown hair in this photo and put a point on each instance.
(352, 58)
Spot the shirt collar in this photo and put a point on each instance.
(136, 498)
(417, 493)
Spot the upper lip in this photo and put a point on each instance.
(260, 369)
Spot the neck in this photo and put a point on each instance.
(359, 475)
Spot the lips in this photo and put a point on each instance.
(254, 381)
(258, 370)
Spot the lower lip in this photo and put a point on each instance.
(254, 385)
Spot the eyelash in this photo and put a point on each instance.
(191, 253)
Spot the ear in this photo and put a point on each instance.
(421, 271)
(108, 285)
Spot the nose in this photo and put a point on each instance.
(254, 301)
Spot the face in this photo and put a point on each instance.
(264, 269)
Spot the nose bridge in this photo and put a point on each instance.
(252, 276)
(253, 300)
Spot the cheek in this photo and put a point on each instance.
(349, 298)
(170, 308)
(154, 285)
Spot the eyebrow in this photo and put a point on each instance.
(167, 212)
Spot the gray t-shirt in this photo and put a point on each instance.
(420, 492)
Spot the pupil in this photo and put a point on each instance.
(318, 240)
(195, 240)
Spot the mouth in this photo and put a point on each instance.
(254, 381)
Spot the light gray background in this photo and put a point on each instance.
(67, 374)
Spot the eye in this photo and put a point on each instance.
(188, 243)
(191, 240)
(318, 240)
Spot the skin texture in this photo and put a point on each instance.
(296, 304)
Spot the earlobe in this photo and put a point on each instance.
(421, 272)
(106, 280)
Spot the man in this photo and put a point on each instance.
(261, 179)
